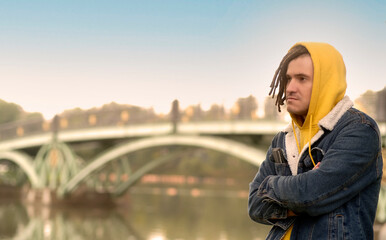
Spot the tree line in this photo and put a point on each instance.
(245, 108)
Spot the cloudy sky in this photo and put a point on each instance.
(57, 55)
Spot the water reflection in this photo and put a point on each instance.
(143, 215)
(62, 223)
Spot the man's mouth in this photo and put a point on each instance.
(291, 98)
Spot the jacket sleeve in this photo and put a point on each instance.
(259, 209)
(348, 167)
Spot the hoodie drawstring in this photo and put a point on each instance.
(297, 142)
(309, 143)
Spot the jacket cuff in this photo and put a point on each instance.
(277, 211)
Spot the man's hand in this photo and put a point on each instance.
(316, 166)
(291, 214)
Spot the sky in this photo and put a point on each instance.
(58, 55)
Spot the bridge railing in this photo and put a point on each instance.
(23, 128)
(97, 119)
(75, 121)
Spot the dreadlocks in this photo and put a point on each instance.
(280, 78)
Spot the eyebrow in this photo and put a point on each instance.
(298, 75)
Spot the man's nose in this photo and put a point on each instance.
(291, 86)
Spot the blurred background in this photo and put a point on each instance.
(148, 119)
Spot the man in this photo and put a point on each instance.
(322, 174)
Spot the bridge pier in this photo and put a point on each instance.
(43, 196)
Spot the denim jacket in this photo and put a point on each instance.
(336, 201)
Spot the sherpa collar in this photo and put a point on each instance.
(328, 122)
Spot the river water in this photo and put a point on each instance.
(147, 214)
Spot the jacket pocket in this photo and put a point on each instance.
(282, 169)
(339, 223)
(317, 155)
(281, 164)
(337, 227)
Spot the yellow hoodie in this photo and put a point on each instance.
(328, 88)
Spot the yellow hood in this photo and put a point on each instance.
(329, 86)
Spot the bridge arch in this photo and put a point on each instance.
(237, 149)
(24, 162)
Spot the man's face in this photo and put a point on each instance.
(300, 75)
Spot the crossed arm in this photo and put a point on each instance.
(348, 167)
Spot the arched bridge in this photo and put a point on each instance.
(55, 157)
